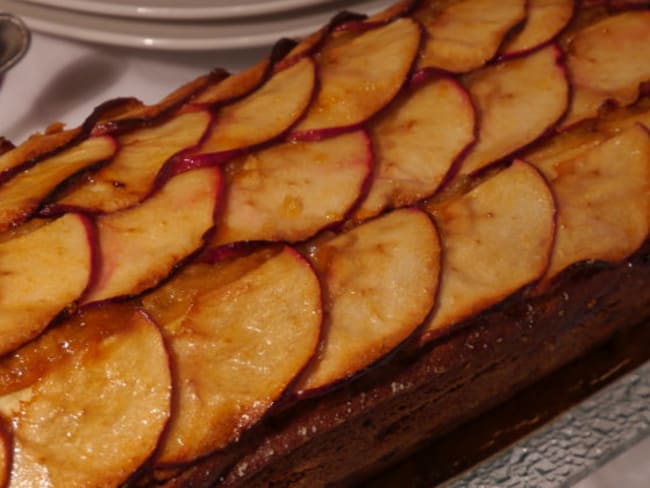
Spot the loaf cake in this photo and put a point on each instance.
(297, 274)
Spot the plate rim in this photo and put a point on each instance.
(178, 13)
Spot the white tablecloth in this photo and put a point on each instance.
(63, 80)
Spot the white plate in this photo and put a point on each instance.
(184, 9)
(181, 35)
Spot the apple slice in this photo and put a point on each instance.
(215, 268)
(415, 145)
(518, 101)
(465, 34)
(608, 61)
(234, 86)
(311, 43)
(359, 74)
(582, 138)
(235, 351)
(25, 192)
(380, 281)
(259, 117)
(41, 273)
(97, 415)
(139, 246)
(480, 265)
(291, 191)
(131, 174)
(37, 146)
(603, 204)
(132, 117)
(546, 19)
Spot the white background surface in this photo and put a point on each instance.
(62, 80)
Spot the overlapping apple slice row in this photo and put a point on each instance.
(228, 134)
(416, 150)
(193, 139)
(196, 137)
(123, 183)
(138, 156)
(238, 334)
(73, 259)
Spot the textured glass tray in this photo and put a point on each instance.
(576, 443)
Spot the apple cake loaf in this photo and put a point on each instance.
(296, 274)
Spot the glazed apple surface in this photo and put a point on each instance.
(89, 420)
(42, 273)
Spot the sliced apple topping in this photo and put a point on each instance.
(517, 101)
(465, 34)
(359, 74)
(496, 239)
(41, 273)
(608, 61)
(236, 349)
(25, 192)
(415, 144)
(139, 246)
(311, 43)
(147, 113)
(36, 146)
(131, 174)
(234, 86)
(97, 415)
(380, 281)
(603, 204)
(222, 90)
(582, 138)
(261, 116)
(545, 20)
(291, 191)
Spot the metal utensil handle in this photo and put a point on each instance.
(14, 40)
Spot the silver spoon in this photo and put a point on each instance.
(14, 40)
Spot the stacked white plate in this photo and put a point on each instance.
(182, 24)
